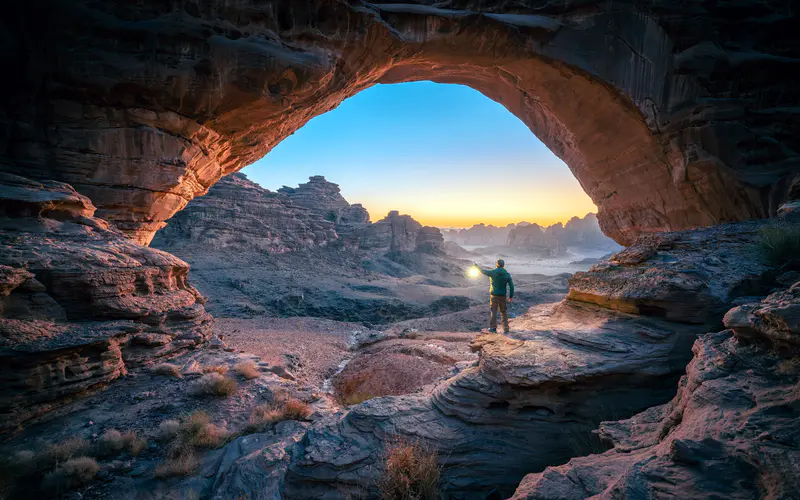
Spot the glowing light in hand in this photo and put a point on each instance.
(473, 272)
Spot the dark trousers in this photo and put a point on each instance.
(498, 302)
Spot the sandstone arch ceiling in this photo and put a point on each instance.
(658, 109)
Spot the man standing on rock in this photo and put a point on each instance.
(499, 278)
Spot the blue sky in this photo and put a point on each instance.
(445, 154)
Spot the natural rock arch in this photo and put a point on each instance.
(142, 107)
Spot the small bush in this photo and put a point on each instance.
(133, 443)
(781, 245)
(411, 472)
(214, 384)
(168, 370)
(63, 451)
(167, 429)
(221, 369)
(789, 366)
(265, 415)
(182, 465)
(111, 442)
(247, 370)
(71, 474)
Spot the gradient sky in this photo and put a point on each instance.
(444, 154)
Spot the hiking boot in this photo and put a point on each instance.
(492, 330)
(506, 330)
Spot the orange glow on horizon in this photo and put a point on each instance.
(461, 210)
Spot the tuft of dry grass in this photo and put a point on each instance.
(214, 384)
(789, 366)
(411, 472)
(196, 431)
(168, 370)
(247, 370)
(113, 442)
(263, 416)
(61, 452)
(71, 474)
(781, 244)
(182, 465)
(221, 369)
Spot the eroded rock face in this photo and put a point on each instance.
(670, 116)
(80, 303)
(532, 399)
(325, 198)
(239, 214)
(730, 432)
(400, 233)
(689, 276)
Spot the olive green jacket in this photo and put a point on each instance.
(499, 279)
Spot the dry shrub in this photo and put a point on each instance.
(214, 384)
(113, 442)
(789, 366)
(781, 244)
(247, 370)
(167, 430)
(221, 369)
(196, 431)
(289, 408)
(385, 374)
(411, 472)
(71, 474)
(168, 370)
(182, 465)
(63, 451)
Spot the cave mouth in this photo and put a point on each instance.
(444, 154)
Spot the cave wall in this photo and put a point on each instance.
(670, 115)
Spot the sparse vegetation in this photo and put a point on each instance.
(411, 471)
(789, 366)
(195, 432)
(71, 474)
(214, 384)
(62, 451)
(168, 370)
(284, 408)
(167, 429)
(182, 465)
(113, 442)
(781, 245)
(221, 369)
(247, 370)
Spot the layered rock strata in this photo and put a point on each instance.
(689, 276)
(400, 233)
(670, 116)
(80, 304)
(730, 432)
(238, 214)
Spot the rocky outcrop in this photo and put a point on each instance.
(690, 276)
(670, 116)
(730, 432)
(533, 238)
(481, 234)
(324, 198)
(400, 233)
(239, 214)
(532, 400)
(80, 303)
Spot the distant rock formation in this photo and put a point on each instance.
(577, 233)
(480, 234)
(239, 213)
(325, 198)
(400, 233)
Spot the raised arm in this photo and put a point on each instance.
(482, 270)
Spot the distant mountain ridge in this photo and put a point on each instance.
(553, 240)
